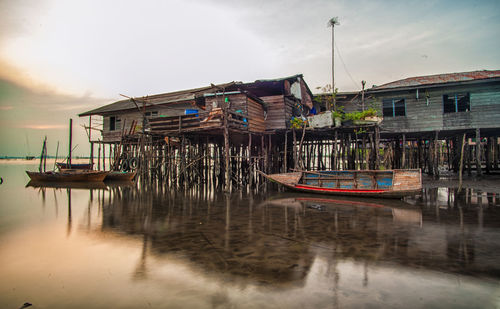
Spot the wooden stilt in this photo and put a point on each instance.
(478, 152)
(403, 152)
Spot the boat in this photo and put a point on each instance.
(69, 175)
(120, 176)
(83, 166)
(371, 183)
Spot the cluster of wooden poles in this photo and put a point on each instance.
(218, 162)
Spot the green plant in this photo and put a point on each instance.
(361, 115)
(297, 123)
(337, 114)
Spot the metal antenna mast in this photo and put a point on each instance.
(331, 23)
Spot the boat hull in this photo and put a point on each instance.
(352, 192)
(367, 183)
(79, 176)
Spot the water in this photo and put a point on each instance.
(126, 247)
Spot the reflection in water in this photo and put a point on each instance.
(195, 248)
(275, 241)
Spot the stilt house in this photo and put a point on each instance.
(257, 107)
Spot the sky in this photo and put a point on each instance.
(59, 58)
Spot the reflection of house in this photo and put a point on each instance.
(257, 107)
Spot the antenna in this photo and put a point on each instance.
(331, 23)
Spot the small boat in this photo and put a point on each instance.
(371, 183)
(69, 175)
(83, 166)
(120, 176)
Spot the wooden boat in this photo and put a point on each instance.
(69, 175)
(65, 166)
(120, 176)
(387, 183)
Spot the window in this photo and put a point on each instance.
(454, 103)
(114, 123)
(151, 114)
(394, 107)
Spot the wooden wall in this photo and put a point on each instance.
(256, 116)
(422, 116)
(275, 112)
(279, 112)
(128, 117)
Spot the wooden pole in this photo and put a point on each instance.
(91, 143)
(42, 154)
(403, 156)
(70, 141)
(335, 151)
(103, 157)
(294, 134)
(377, 146)
(92, 154)
(285, 152)
(436, 154)
(478, 152)
(226, 149)
(469, 159)
(99, 157)
(301, 162)
(45, 157)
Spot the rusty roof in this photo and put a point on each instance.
(252, 89)
(439, 79)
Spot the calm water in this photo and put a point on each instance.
(124, 247)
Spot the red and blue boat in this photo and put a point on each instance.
(371, 183)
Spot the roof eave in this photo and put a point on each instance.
(404, 88)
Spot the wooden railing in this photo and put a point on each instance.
(199, 122)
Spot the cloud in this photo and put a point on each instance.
(43, 126)
(27, 115)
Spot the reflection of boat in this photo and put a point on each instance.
(119, 184)
(372, 183)
(81, 166)
(67, 185)
(68, 176)
(120, 176)
(401, 212)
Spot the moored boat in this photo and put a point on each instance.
(120, 176)
(372, 183)
(68, 176)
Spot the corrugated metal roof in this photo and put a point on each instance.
(439, 79)
(157, 99)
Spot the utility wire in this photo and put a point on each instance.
(345, 67)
